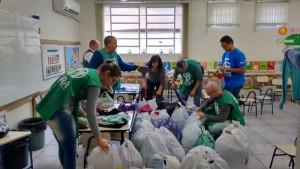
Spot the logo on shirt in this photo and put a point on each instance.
(217, 109)
(188, 78)
(227, 64)
(64, 81)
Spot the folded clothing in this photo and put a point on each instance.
(114, 121)
(114, 111)
(124, 108)
(83, 123)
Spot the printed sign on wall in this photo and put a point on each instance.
(53, 61)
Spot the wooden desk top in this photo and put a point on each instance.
(13, 136)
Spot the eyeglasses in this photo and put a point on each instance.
(211, 92)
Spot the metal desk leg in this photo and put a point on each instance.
(30, 152)
(122, 138)
(87, 152)
(2, 157)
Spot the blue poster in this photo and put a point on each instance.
(72, 57)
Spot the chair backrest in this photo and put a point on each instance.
(262, 79)
(277, 82)
(268, 91)
(246, 92)
(252, 95)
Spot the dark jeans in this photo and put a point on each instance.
(235, 91)
(150, 88)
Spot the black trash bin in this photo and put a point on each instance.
(37, 126)
(16, 154)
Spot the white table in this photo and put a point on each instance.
(14, 136)
(130, 89)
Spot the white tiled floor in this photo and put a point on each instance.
(264, 131)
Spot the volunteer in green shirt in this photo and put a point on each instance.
(219, 110)
(60, 107)
(192, 74)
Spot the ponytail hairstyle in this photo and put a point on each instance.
(110, 66)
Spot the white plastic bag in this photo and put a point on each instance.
(172, 143)
(106, 101)
(100, 159)
(143, 124)
(142, 103)
(190, 136)
(153, 144)
(194, 161)
(129, 156)
(193, 119)
(143, 115)
(138, 138)
(210, 155)
(160, 161)
(158, 115)
(233, 146)
(180, 116)
(152, 104)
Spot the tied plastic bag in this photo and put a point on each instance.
(142, 102)
(138, 138)
(153, 144)
(194, 161)
(233, 146)
(106, 101)
(158, 115)
(152, 104)
(100, 159)
(130, 157)
(143, 124)
(161, 161)
(206, 139)
(193, 119)
(210, 156)
(172, 143)
(144, 116)
(180, 116)
(145, 108)
(190, 136)
(172, 127)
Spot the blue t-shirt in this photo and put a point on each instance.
(234, 59)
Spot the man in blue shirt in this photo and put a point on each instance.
(234, 64)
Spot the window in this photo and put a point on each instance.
(144, 29)
(224, 14)
(271, 14)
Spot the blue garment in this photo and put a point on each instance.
(234, 59)
(97, 60)
(235, 91)
(293, 57)
(216, 129)
(290, 70)
(63, 126)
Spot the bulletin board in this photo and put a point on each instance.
(53, 61)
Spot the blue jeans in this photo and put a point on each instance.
(196, 97)
(216, 129)
(235, 91)
(63, 126)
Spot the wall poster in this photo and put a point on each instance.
(72, 57)
(53, 61)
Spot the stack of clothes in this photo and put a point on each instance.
(114, 121)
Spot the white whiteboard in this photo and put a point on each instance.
(20, 57)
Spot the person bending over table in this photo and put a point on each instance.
(60, 107)
(219, 110)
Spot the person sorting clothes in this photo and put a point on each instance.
(60, 107)
(192, 73)
(219, 110)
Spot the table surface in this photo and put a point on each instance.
(126, 127)
(13, 136)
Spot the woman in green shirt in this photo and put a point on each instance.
(60, 107)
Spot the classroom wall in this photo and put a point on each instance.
(257, 44)
(53, 26)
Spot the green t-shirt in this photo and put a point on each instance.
(65, 87)
(189, 77)
(114, 58)
(226, 98)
